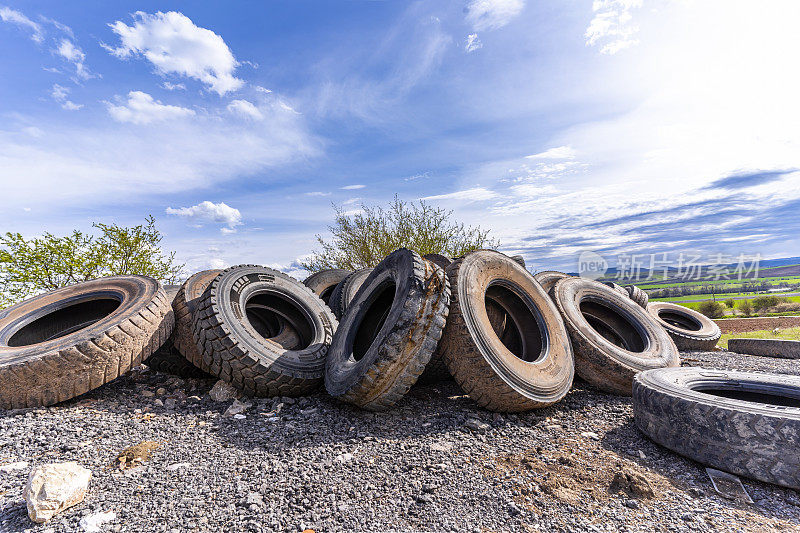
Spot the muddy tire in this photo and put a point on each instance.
(548, 278)
(388, 334)
(64, 343)
(504, 343)
(691, 331)
(637, 295)
(324, 282)
(184, 304)
(744, 423)
(439, 260)
(239, 316)
(519, 260)
(345, 291)
(613, 338)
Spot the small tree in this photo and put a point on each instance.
(746, 307)
(711, 309)
(364, 238)
(730, 302)
(49, 262)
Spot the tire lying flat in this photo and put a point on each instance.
(346, 290)
(184, 305)
(324, 282)
(691, 331)
(504, 343)
(244, 305)
(784, 349)
(389, 332)
(64, 343)
(743, 423)
(613, 338)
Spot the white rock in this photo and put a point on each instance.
(13, 467)
(237, 408)
(222, 391)
(54, 487)
(93, 523)
(239, 417)
(345, 458)
(590, 435)
(178, 466)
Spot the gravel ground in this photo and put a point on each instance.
(435, 462)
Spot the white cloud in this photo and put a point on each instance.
(173, 86)
(352, 187)
(174, 45)
(317, 193)
(245, 109)
(612, 25)
(141, 108)
(561, 152)
(468, 195)
(13, 16)
(217, 263)
(473, 43)
(72, 53)
(61, 95)
(220, 213)
(492, 14)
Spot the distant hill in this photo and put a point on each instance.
(782, 267)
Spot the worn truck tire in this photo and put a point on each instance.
(244, 304)
(691, 331)
(744, 423)
(388, 334)
(64, 343)
(519, 260)
(548, 278)
(184, 304)
(345, 291)
(785, 349)
(637, 295)
(324, 282)
(438, 259)
(613, 338)
(518, 358)
(619, 288)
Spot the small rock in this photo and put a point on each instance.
(92, 523)
(424, 498)
(239, 416)
(51, 488)
(641, 454)
(178, 466)
(473, 424)
(428, 487)
(590, 435)
(194, 398)
(169, 403)
(13, 467)
(345, 458)
(632, 483)
(631, 504)
(237, 408)
(223, 391)
(148, 393)
(161, 391)
(158, 403)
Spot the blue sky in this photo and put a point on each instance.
(619, 126)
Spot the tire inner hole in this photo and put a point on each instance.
(514, 323)
(327, 293)
(64, 321)
(373, 318)
(754, 396)
(612, 326)
(679, 320)
(279, 320)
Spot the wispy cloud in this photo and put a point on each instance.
(141, 108)
(174, 45)
(492, 14)
(245, 109)
(473, 43)
(742, 180)
(61, 95)
(204, 212)
(560, 152)
(468, 195)
(612, 27)
(352, 187)
(73, 53)
(13, 16)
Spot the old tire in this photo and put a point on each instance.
(346, 290)
(184, 305)
(691, 331)
(785, 349)
(744, 423)
(388, 334)
(613, 338)
(637, 295)
(619, 288)
(519, 260)
(438, 259)
(244, 304)
(548, 279)
(64, 343)
(512, 363)
(324, 282)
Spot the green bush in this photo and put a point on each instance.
(763, 302)
(730, 302)
(711, 309)
(746, 307)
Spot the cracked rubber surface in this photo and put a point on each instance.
(184, 305)
(64, 343)
(740, 428)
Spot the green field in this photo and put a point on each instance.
(792, 334)
(726, 283)
(722, 297)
